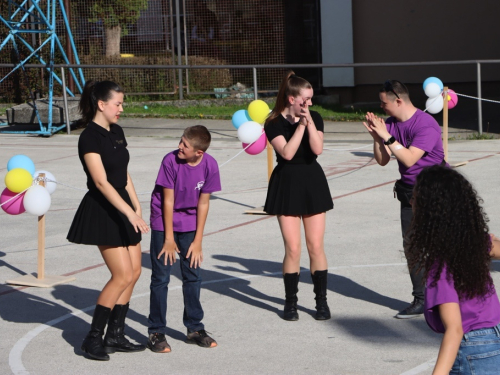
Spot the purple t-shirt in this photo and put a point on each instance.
(420, 131)
(476, 313)
(188, 183)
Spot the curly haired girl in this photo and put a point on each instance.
(449, 240)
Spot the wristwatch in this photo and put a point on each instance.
(390, 141)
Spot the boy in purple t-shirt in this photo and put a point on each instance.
(179, 209)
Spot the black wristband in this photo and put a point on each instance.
(390, 141)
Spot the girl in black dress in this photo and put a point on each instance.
(109, 215)
(298, 189)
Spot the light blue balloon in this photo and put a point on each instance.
(435, 80)
(240, 117)
(21, 161)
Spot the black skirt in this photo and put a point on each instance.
(98, 222)
(298, 189)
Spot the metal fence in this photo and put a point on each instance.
(161, 32)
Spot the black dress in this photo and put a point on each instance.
(297, 186)
(98, 222)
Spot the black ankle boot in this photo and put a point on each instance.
(291, 281)
(115, 340)
(320, 282)
(92, 345)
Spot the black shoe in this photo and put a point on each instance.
(415, 309)
(291, 281)
(115, 340)
(290, 311)
(157, 342)
(320, 283)
(92, 345)
(201, 338)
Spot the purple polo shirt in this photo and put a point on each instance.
(420, 131)
(188, 183)
(476, 313)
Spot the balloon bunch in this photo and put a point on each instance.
(23, 193)
(433, 88)
(250, 131)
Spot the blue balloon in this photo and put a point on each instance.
(435, 80)
(21, 161)
(240, 117)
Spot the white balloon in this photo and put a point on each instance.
(249, 131)
(37, 200)
(434, 105)
(432, 90)
(51, 185)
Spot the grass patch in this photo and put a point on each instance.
(328, 112)
(474, 137)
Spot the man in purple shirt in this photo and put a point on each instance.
(413, 137)
(179, 209)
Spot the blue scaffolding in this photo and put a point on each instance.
(30, 17)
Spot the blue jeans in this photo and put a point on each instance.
(479, 353)
(160, 277)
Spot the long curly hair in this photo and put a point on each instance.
(449, 228)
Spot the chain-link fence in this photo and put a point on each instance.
(159, 32)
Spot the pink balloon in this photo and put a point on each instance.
(13, 207)
(258, 146)
(452, 99)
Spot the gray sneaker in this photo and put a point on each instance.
(415, 309)
(158, 343)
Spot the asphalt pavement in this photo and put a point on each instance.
(242, 294)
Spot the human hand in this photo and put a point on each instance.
(305, 115)
(196, 254)
(169, 249)
(138, 223)
(376, 126)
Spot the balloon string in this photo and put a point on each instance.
(475, 97)
(434, 99)
(15, 196)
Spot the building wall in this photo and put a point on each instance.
(425, 30)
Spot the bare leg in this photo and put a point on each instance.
(119, 263)
(290, 230)
(314, 227)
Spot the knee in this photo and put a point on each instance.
(315, 248)
(123, 281)
(136, 274)
(293, 252)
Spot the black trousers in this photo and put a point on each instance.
(404, 193)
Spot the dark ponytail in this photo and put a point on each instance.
(92, 93)
(290, 86)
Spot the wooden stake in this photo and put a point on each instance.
(269, 160)
(41, 238)
(41, 281)
(445, 123)
(260, 210)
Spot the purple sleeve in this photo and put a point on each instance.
(167, 173)
(443, 292)
(212, 180)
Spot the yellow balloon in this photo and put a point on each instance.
(18, 179)
(258, 110)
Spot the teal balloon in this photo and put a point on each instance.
(433, 80)
(21, 161)
(240, 117)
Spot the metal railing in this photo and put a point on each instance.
(255, 68)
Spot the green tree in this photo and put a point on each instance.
(116, 15)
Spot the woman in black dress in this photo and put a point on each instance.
(109, 215)
(298, 189)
